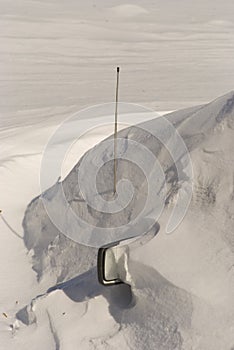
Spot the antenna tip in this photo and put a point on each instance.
(117, 69)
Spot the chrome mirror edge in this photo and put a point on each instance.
(101, 267)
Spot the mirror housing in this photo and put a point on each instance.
(112, 258)
(107, 266)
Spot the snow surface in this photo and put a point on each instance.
(181, 294)
(58, 56)
(56, 59)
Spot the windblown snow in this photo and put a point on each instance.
(58, 58)
(181, 294)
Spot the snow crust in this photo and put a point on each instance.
(58, 57)
(181, 294)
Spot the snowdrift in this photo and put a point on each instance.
(183, 283)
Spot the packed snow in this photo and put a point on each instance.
(57, 59)
(181, 294)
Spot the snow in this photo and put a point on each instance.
(57, 59)
(61, 58)
(182, 283)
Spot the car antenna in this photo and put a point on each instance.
(116, 129)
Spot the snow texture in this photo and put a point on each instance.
(177, 281)
(58, 57)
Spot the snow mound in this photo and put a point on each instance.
(129, 10)
(196, 261)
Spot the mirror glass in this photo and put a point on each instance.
(111, 264)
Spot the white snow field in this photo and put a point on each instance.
(58, 57)
(173, 54)
(182, 283)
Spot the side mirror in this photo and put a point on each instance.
(113, 258)
(108, 273)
